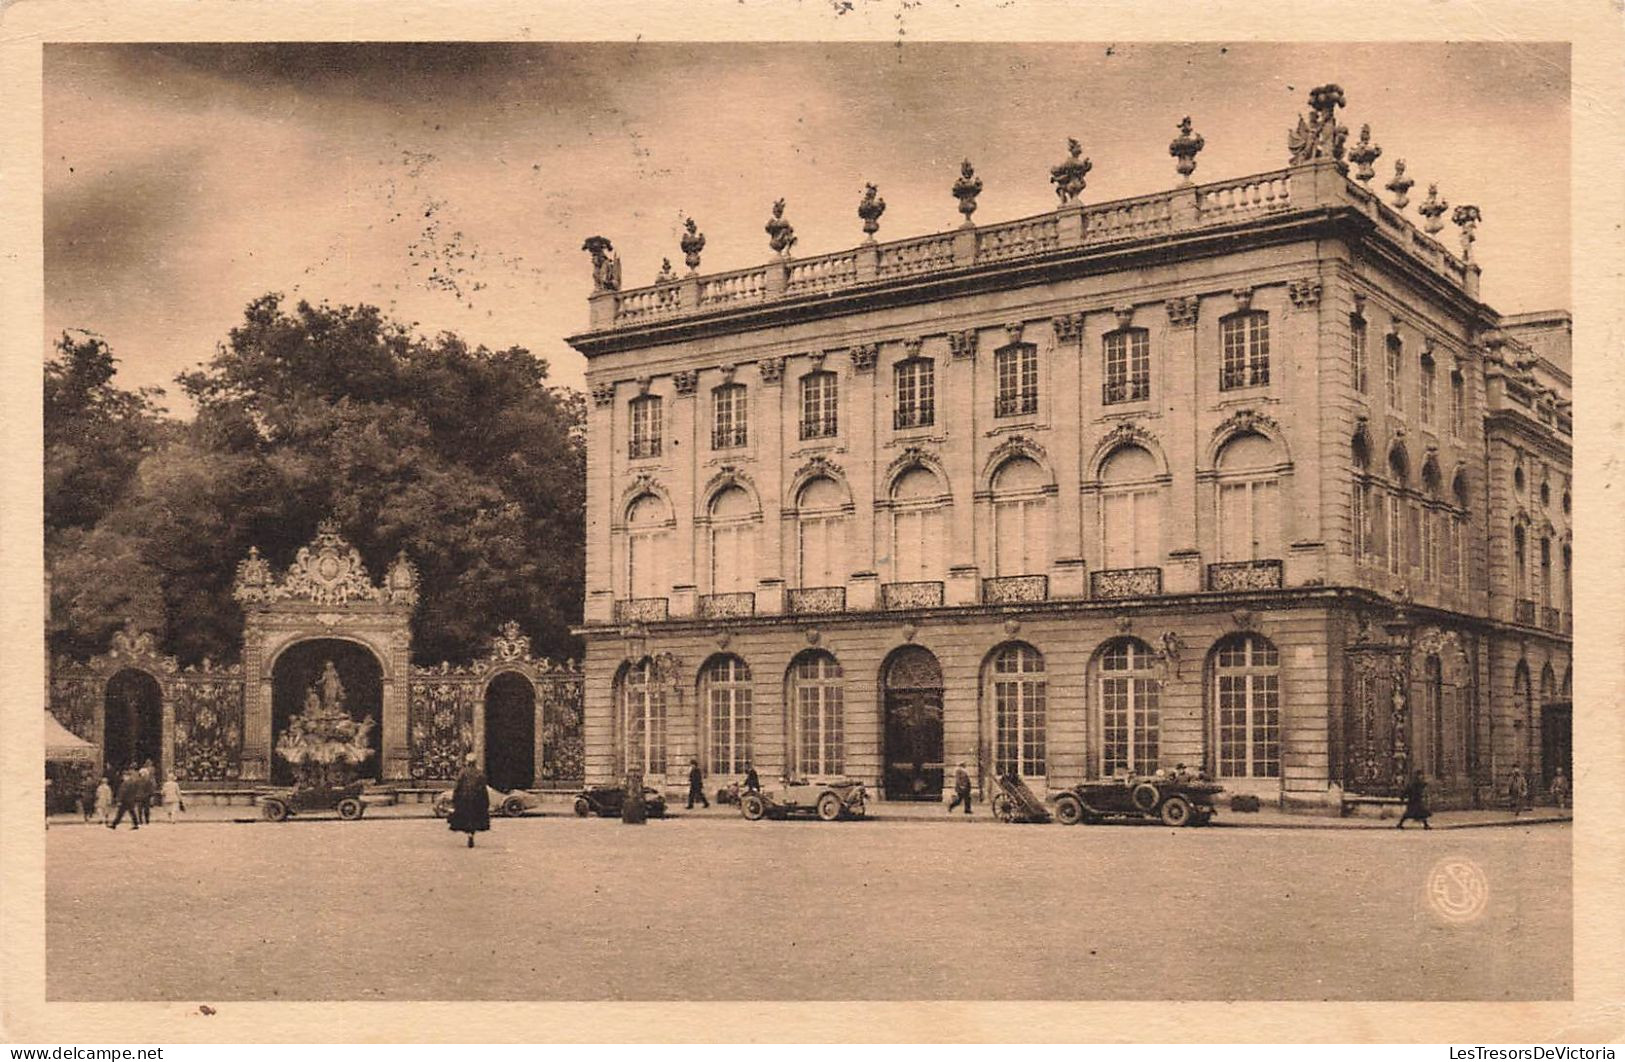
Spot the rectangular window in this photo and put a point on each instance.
(1020, 539)
(823, 550)
(1127, 376)
(645, 427)
(1248, 521)
(1131, 529)
(1463, 562)
(1424, 393)
(1413, 534)
(1396, 534)
(1019, 724)
(1458, 405)
(1357, 352)
(728, 417)
(730, 728)
(1393, 362)
(916, 381)
(818, 416)
(917, 548)
(1017, 371)
(1245, 351)
(1358, 518)
(1129, 725)
(823, 740)
(1430, 546)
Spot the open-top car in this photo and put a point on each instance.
(511, 804)
(277, 804)
(841, 799)
(606, 801)
(1176, 798)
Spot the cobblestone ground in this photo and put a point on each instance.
(559, 908)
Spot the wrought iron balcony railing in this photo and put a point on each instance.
(1125, 582)
(911, 595)
(641, 610)
(1015, 589)
(1245, 575)
(724, 606)
(1523, 611)
(818, 599)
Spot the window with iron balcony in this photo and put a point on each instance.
(818, 405)
(1127, 368)
(728, 417)
(1017, 370)
(1244, 340)
(916, 387)
(645, 427)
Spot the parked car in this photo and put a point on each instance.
(278, 804)
(828, 800)
(605, 801)
(511, 804)
(1178, 800)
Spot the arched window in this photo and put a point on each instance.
(1244, 343)
(1249, 492)
(1020, 530)
(1545, 573)
(729, 419)
(1520, 566)
(1548, 685)
(915, 381)
(1458, 404)
(1425, 390)
(819, 418)
(644, 425)
(725, 691)
(1393, 363)
(1523, 692)
(1126, 369)
(643, 719)
(1130, 716)
(1459, 560)
(1130, 510)
(1399, 473)
(733, 541)
(648, 538)
(1357, 352)
(817, 731)
(1431, 523)
(1247, 706)
(821, 522)
(918, 527)
(1018, 692)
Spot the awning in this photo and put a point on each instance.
(63, 744)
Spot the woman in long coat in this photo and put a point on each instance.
(470, 802)
(1416, 802)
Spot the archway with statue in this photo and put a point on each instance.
(326, 678)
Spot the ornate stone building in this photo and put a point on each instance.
(1241, 474)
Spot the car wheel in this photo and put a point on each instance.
(582, 807)
(350, 808)
(275, 810)
(441, 809)
(1145, 796)
(514, 806)
(1003, 809)
(829, 807)
(1068, 810)
(752, 806)
(1176, 811)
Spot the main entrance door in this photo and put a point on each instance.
(914, 765)
(510, 732)
(1556, 742)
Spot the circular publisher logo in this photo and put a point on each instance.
(1458, 889)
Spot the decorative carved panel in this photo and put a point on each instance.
(441, 726)
(209, 726)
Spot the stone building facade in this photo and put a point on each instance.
(1225, 475)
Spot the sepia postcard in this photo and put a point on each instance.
(1051, 522)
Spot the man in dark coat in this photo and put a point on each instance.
(696, 784)
(753, 784)
(961, 790)
(470, 802)
(129, 796)
(1416, 804)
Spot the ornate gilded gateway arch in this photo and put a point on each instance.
(325, 594)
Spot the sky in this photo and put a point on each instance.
(452, 184)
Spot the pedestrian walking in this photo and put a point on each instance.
(172, 800)
(129, 796)
(104, 802)
(470, 801)
(1416, 803)
(961, 789)
(1560, 788)
(87, 797)
(753, 784)
(1517, 789)
(696, 785)
(149, 790)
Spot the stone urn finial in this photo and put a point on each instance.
(667, 274)
(870, 209)
(1364, 154)
(966, 189)
(781, 234)
(1184, 148)
(1068, 176)
(1401, 185)
(1432, 208)
(692, 243)
(1467, 218)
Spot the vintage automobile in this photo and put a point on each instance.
(828, 800)
(278, 804)
(511, 804)
(605, 801)
(1176, 799)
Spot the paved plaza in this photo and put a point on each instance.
(714, 907)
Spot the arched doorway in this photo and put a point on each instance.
(510, 732)
(360, 689)
(914, 766)
(133, 724)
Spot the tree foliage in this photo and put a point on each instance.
(466, 458)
